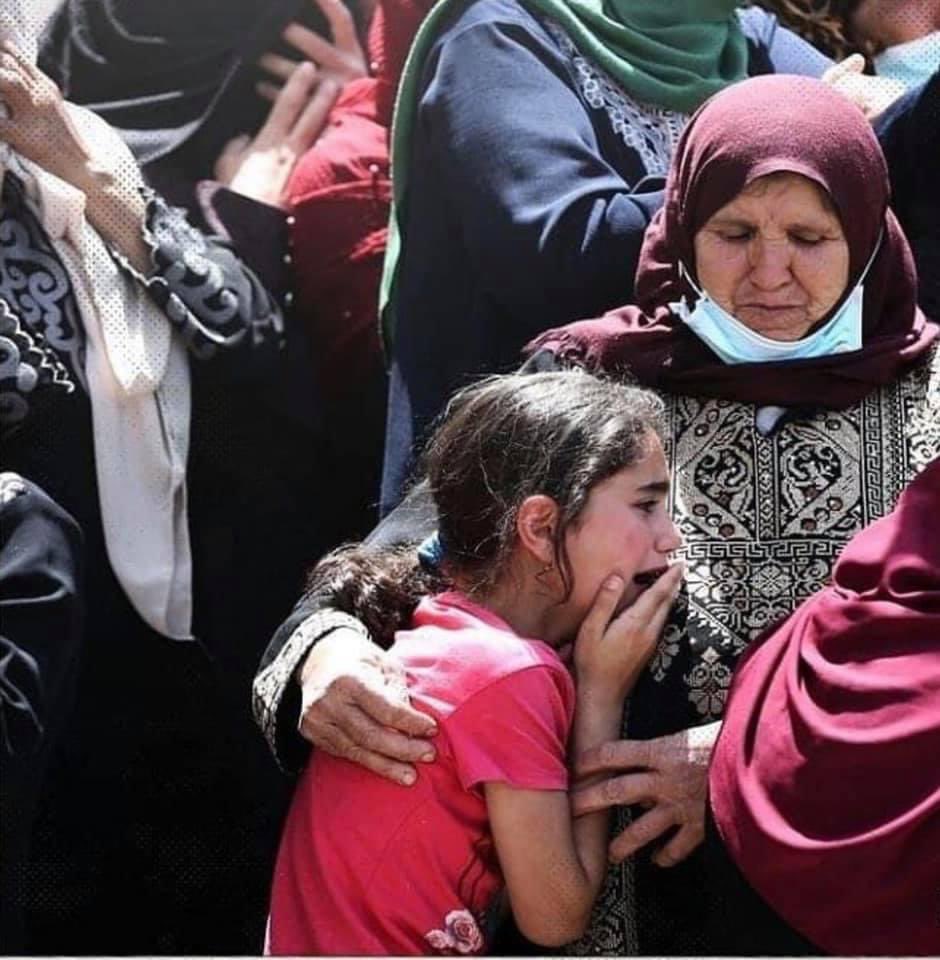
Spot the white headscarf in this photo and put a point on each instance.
(138, 382)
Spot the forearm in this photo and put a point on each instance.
(276, 691)
(554, 866)
(598, 719)
(117, 212)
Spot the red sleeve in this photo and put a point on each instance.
(515, 731)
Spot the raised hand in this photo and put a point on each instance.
(870, 94)
(342, 60)
(260, 167)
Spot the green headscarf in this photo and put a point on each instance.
(672, 54)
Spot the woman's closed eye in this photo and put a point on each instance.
(807, 239)
(736, 236)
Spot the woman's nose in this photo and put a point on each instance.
(770, 263)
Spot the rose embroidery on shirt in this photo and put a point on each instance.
(460, 934)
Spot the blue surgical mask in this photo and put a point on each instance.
(911, 63)
(735, 342)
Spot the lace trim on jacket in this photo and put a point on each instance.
(651, 131)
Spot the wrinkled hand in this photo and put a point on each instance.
(871, 95)
(38, 125)
(610, 653)
(41, 127)
(667, 775)
(260, 167)
(355, 706)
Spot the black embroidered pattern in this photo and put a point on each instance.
(203, 288)
(216, 304)
(34, 282)
(764, 519)
(26, 364)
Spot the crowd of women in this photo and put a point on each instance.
(638, 617)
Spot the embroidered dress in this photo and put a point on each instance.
(138, 816)
(821, 478)
(650, 131)
(751, 558)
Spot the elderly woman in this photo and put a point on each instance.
(777, 314)
(538, 133)
(113, 314)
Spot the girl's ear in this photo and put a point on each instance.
(536, 523)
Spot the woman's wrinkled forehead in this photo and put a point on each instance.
(774, 125)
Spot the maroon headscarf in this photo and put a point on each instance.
(754, 128)
(825, 781)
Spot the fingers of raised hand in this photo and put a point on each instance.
(645, 829)
(313, 118)
(14, 85)
(9, 48)
(14, 65)
(602, 609)
(289, 102)
(278, 66)
(325, 55)
(342, 25)
(649, 613)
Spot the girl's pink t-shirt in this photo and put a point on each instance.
(370, 867)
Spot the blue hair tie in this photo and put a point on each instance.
(431, 553)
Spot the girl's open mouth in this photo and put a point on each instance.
(646, 578)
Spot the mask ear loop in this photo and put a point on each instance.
(871, 259)
(686, 275)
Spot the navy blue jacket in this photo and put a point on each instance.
(526, 208)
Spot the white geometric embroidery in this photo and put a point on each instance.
(651, 131)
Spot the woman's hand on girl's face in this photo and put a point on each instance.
(610, 653)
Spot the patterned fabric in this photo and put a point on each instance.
(764, 519)
(271, 684)
(26, 363)
(652, 132)
(201, 286)
(34, 283)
